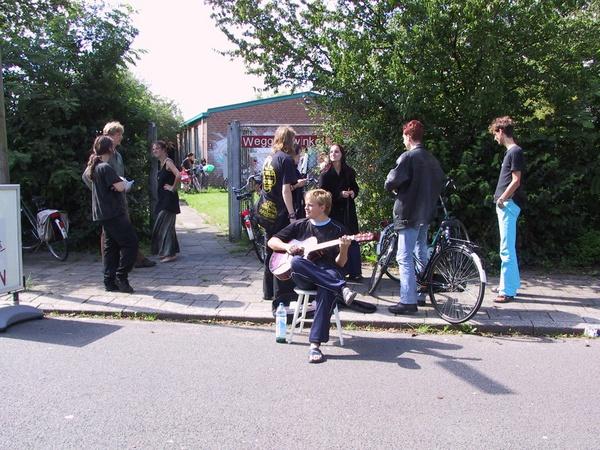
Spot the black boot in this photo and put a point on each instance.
(110, 285)
(403, 308)
(124, 286)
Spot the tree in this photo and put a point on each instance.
(455, 65)
(65, 74)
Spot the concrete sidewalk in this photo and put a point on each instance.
(217, 280)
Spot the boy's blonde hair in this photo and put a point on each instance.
(113, 128)
(320, 197)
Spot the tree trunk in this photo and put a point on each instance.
(4, 175)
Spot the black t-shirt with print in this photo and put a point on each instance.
(106, 202)
(304, 229)
(278, 169)
(514, 161)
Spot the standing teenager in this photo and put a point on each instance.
(417, 183)
(164, 237)
(509, 198)
(339, 179)
(110, 211)
(276, 206)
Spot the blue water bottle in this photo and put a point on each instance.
(280, 324)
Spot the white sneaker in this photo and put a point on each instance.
(348, 295)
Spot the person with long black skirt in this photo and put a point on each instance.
(339, 179)
(164, 238)
(110, 211)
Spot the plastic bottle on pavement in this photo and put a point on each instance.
(280, 323)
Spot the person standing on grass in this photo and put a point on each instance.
(509, 198)
(110, 211)
(164, 237)
(417, 183)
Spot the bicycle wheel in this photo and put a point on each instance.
(259, 242)
(456, 283)
(59, 245)
(387, 252)
(30, 240)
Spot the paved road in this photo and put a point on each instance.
(76, 383)
(215, 279)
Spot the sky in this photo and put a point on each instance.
(181, 62)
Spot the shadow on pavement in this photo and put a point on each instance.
(398, 350)
(72, 333)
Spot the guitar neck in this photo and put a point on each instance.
(327, 244)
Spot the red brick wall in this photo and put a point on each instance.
(285, 112)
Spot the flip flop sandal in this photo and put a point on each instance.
(504, 299)
(315, 356)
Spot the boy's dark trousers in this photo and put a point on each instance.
(329, 282)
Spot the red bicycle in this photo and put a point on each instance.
(255, 233)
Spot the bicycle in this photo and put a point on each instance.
(48, 226)
(189, 181)
(256, 234)
(389, 236)
(453, 276)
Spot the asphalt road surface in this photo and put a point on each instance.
(79, 383)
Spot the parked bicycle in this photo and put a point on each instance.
(256, 234)
(189, 181)
(453, 276)
(47, 226)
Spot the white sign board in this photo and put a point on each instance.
(11, 261)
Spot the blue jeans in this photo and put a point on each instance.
(510, 280)
(410, 240)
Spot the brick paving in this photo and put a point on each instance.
(213, 279)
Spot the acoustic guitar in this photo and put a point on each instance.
(280, 263)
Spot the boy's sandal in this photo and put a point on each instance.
(315, 356)
(504, 299)
(167, 259)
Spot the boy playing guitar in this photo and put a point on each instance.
(323, 268)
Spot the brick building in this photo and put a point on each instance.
(205, 135)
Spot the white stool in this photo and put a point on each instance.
(303, 298)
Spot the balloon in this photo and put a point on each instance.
(209, 168)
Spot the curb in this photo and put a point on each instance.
(528, 328)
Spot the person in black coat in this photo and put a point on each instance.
(339, 179)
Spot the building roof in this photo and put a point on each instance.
(262, 101)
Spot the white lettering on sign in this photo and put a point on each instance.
(304, 140)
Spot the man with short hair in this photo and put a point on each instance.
(509, 198)
(417, 183)
(325, 269)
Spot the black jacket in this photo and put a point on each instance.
(417, 181)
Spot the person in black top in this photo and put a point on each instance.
(509, 198)
(417, 183)
(164, 238)
(340, 180)
(298, 188)
(188, 163)
(276, 205)
(110, 210)
(323, 269)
